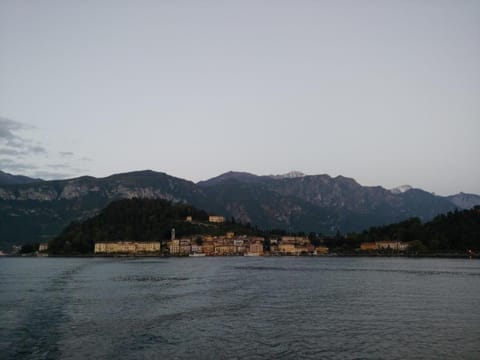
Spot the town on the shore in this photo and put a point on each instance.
(230, 244)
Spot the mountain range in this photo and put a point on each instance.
(36, 210)
(9, 179)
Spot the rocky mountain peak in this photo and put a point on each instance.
(401, 189)
(289, 175)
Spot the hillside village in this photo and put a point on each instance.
(158, 228)
(230, 244)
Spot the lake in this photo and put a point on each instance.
(239, 308)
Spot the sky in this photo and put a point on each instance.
(386, 92)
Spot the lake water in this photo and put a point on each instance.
(239, 308)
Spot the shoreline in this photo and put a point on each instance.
(332, 255)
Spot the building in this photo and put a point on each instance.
(188, 219)
(224, 249)
(256, 248)
(127, 247)
(238, 242)
(174, 247)
(321, 250)
(216, 219)
(43, 247)
(196, 249)
(386, 244)
(299, 250)
(147, 247)
(286, 249)
(184, 248)
(298, 240)
(368, 246)
(208, 248)
(239, 245)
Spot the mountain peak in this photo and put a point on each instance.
(401, 189)
(289, 175)
(230, 175)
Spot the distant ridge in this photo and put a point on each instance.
(230, 175)
(9, 179)
(465, 201)
(37, 211)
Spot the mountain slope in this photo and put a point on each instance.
(464, 201)
(319, 203)
(39, 211)
(9, 179)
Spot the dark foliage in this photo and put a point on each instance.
(456, 231)
(137, 220)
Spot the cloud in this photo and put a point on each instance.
(14, 147)
(66, 153)
(86, 159)
(14, 144)
(58, 166)
(12, 152)
(11, 165)
(52, 175)
(7, 132)
(37, 149)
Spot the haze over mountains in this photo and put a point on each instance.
(37, 210)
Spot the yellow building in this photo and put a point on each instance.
(256, 248)
(216, 219)
(208, 248)
(301, 250)
(147, 247)
(127, 247)
(287, 249)
(299, 240)
(368, 246)
(321, 250)
(174, 247)
(223, 249)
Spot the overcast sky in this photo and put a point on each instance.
(386, 92)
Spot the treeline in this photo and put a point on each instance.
(456, 231)
(153, 219)
(138, 220)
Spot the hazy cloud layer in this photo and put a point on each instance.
(12, 152)
(52, 174)
(8, 136)
(66, 153)
(59, 166)
(15, 144)
(24, 155)
(12, 165)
